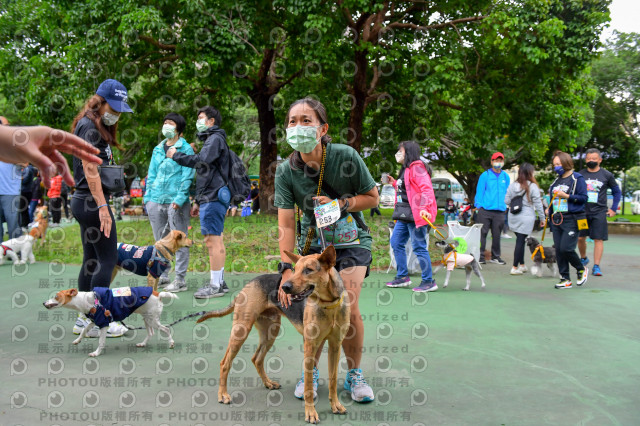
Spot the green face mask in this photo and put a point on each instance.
(302, 138)
(169, 131)
(201, 126)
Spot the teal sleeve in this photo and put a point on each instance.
(188, 173)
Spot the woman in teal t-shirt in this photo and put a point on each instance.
(345, 177)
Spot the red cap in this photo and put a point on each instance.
(497, 155)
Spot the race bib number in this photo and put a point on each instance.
(327, 214)
(343, 232)
(121, 291)
(592, 197)
(560, 205)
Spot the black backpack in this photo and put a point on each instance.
(238, 182)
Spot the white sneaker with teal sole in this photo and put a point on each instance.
(357, 385)
(299, 392)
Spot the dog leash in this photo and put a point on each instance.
(544, 231)
(455, 252)
(170, 325)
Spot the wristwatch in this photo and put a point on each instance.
(283, 266)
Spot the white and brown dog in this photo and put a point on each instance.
(150, 261)
(23, 244)
(8, 253)
(104, 305)
(452, 259)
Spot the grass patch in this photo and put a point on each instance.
(247, 241)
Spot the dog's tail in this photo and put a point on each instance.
(218, 313)
(167, 294)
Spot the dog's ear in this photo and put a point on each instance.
(71, 292)
(179, 235)
(328, 257)
(293, 257)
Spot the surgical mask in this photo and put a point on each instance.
(559, 170)
(169, 131)
(201, 126)
(399, 157)
(592, 164)
(110, 119)
(302, 138)
(498, 165)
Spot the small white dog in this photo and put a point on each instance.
(7, 252)
(104, 305)
(24, 243)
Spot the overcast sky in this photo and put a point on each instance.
(625, 17)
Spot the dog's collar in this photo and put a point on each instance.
(335, 304)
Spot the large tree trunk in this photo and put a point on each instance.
(268, 149)
(359, 92)
(469, 182)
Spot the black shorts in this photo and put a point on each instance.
(348, 257)
(598, 227)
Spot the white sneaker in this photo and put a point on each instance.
(523, 268)
(506, 236)
(176, 286)
(116, 329)
(163, 281)
(80, 324)
(515, 271)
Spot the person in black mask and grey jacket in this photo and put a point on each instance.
(212, 194)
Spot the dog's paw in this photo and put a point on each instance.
(75, 342)
(224, 398)
(141, 344)
(337, 408)
(272, 384)
(311, 415)
(94, 353)
(172, 344)
(465, 289)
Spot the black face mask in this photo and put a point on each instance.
(592, 164)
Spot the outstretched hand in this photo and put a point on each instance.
(42, 147)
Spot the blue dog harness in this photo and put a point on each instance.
(116, 304)
(142, 260)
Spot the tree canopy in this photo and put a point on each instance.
(461, 78)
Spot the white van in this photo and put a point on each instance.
(635, 203)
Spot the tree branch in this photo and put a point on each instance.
(450, 105)
(163, 59)
(232, 30)
(434, 26)
(156, 43)
(287, 81)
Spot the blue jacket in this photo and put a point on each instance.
(168, 182)
(491, 190)
(116, 304)
(577, 194)
(142, 260)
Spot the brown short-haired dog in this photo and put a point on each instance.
(320, 311)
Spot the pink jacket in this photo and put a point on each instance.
(420, 192)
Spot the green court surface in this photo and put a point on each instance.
(517, 353)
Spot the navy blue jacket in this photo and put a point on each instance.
(141, 260)
(116, 304)
(577, 192)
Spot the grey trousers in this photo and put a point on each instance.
(163, 219)
(491, 220)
